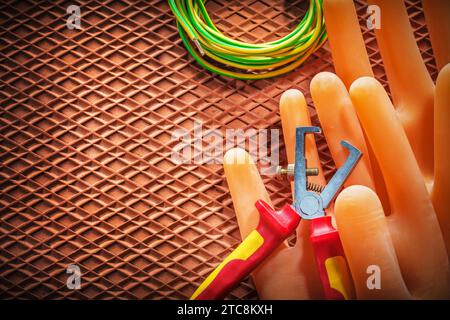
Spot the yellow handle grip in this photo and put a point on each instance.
(231, 270)
(339, 276)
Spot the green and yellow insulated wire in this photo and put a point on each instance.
(246, 61)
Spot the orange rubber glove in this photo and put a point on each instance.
(405, 145)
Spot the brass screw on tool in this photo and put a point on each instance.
(288, 172)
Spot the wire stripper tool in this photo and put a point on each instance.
(276, 226)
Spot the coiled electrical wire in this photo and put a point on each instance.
(246, 60)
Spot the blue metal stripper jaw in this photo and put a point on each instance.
(309, 204)
(337, 181)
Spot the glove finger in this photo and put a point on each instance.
(410, 83)
(441, 188)
(294, 112)
(413, 222)
(246, 187)
(340, 122)
(349, 53)
(368, 246)
(437, 16)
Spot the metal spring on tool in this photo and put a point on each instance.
(311, 186)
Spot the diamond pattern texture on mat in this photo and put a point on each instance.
(86, 119)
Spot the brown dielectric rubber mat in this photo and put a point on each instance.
(86, 122)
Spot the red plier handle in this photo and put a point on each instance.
(273, 228)
(330, 260)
